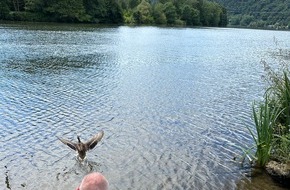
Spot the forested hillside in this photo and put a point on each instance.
(258, 13)
(165, 12)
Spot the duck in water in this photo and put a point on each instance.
(81, 147)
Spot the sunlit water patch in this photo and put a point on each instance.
(173, 103)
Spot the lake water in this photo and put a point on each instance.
(174, 104)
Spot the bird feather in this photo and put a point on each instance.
(68, 143)
(94, 141)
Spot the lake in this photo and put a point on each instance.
(174, 104)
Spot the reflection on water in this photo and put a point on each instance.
(173, 103)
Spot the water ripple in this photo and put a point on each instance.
(174, 112)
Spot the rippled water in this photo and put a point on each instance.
(173, 103)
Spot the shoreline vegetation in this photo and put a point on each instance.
(129, 12)
(271, 150)
(269, 14)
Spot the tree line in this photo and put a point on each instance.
(253, 13)
(164, 12)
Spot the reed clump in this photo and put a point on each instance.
(272, 121)
(264, 117)
(272, 124)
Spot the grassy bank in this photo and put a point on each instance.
(272, 122)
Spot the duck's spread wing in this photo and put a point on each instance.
(94, 141)
(68, 143)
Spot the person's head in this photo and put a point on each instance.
(94, 181)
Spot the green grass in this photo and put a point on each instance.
(281, 98)
(264, 120)
(281, 148)
(272, 121)
(272, 116)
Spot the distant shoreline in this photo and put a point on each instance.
(136, 25)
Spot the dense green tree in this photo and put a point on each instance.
(114, 12)
(170, 12)
(158, 14)
(192, 3)
(179, 6)
(96, 9)
(235, 20)
(128, 17)
(190, 15)
(34, 5)
(200, 7)
(4, 9)
(246, 20)
(165, 1)
(18, 5)
(124, 4)
(144, 15)
(223, 17)
(263, 13)
(134, 3)
(68, 11)
(212, 14)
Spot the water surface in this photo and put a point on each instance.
(174, 104)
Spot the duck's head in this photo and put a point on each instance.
(79, 139)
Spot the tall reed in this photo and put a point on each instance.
(272, 116)
(280, 93)
(264, 120)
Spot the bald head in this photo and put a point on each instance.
(94, 181)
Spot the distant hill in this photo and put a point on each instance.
(258, 13)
